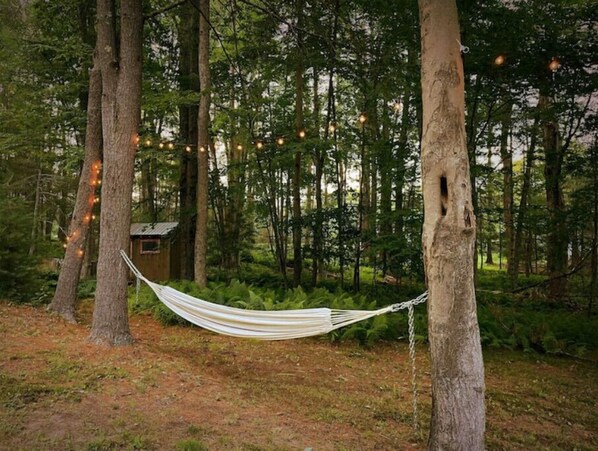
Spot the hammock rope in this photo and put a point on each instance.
(274, 324)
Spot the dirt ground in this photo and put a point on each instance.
(186, 388)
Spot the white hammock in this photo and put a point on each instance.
(259, 324)
(275, 324)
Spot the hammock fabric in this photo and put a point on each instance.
(259, 324)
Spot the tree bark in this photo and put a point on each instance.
(594, 264)
(522, 209)
(506, 155)
(189, 80)
(319, 158)
(65, 296)
(120, 65)
(557, 239)
(203, 121)
(458, 412)
(299, 82)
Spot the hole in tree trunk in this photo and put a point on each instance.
(443, 195)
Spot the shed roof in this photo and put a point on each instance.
(152, 229)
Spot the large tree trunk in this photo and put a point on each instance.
(65, 296)
(121, 103)
(557, 239)
(201, 237)
(189, 80)
(458, 413)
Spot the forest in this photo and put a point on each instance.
(292, 144)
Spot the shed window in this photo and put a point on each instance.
(150, 246)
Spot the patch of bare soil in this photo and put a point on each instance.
(186, 388)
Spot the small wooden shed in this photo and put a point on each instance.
(155, 250)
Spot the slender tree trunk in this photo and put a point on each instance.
(299, 82)
(522, 209)
(148, 189)
(506, 155)
(557, 239)
(319, 156)
(594, 264)
(65, 296)
(121, 102)
(36, 208)
(361, 220)
(385, 165)
(458, 412)
(201, 237)
(189, 80)
(402, 155)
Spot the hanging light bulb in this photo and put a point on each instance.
(301, 134)
(99, 182)
(93, 217)
(188, 148)
(259, 145)
(397, 107)
(280, 141)
(136, 139)
(239, 147)
(500, 60)
(554, 64)
(332, 127)
(80, 253)
(362, 118)
(65, 245)
(202, 149)
(148, 142)
(161, 145)
(170, 146)
(96, 200)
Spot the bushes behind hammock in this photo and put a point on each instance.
(505, 321)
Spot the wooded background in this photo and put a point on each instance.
(314, 144)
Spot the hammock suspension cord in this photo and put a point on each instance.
(275, 324)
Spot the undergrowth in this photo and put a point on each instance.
(506, 320)
(242, 295)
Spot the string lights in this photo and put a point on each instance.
(554, 64)
(500, 60)
(74, 238)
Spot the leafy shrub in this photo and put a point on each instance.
(86, 288)
(19, 278)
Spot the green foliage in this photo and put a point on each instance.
(506, 320)
(19, 279)
(86, 289)
(242, 295)
(534, 325)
